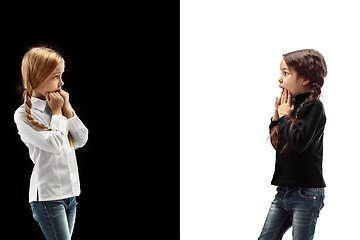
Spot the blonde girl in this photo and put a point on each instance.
(50, 128)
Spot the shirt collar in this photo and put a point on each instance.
(299, 99)
(38, 103)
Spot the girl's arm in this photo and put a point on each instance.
(49, 141)
(311, 120)
(77, 129)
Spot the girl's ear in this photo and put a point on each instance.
(306, 82)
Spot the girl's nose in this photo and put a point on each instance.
(280, 80)
(61, 83)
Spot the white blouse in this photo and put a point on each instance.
(55, 174)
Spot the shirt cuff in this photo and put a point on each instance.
(59, 122)
(75, 123)
(283, 121)
(273, 123)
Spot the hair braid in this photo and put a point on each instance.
(28, 115)
(275, 137)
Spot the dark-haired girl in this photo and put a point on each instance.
(296, 133)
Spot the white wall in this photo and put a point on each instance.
(230, 52)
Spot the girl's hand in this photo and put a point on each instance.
(55, 102)
(277, 104)
(65, 95)
(286, 107)
(66, 109)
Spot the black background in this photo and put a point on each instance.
(122, 74)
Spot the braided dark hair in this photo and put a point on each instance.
(311, 65)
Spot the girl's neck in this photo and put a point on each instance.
(38, 95)
(304, 89)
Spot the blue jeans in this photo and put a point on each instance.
(296, 207)
(56, 218)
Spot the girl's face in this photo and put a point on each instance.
(290, 80)
(52, 84)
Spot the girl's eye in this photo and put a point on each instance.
(56, 76)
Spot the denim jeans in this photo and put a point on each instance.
(56, 218)
(296, 207)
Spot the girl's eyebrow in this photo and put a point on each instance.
(57, 73)
(284, 69)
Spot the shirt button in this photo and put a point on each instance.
(314, 197)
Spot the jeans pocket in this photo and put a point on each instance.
(308, 194)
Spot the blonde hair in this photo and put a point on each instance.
(36, 67)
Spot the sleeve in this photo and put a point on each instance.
(273, 124)
(49, 141)
(78, 130)
(309, 120)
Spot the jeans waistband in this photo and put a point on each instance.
(298, 188)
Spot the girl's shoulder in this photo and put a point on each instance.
(19, 112)
(316, 103)
(315, 106)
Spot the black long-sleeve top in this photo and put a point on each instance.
(302, 165)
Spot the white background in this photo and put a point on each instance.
(230, 52)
